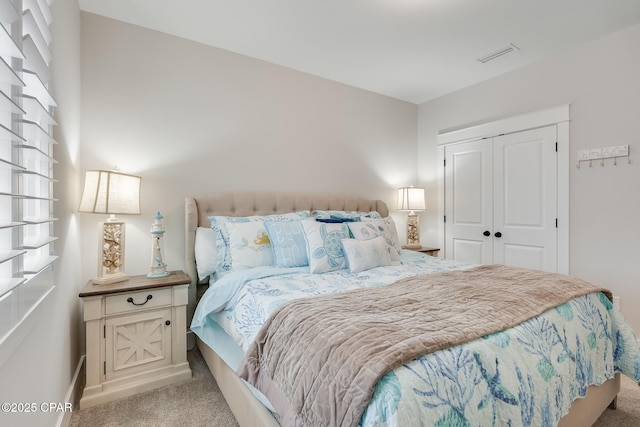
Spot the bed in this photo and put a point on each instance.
(501, 378)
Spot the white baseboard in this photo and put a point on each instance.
(65, 417)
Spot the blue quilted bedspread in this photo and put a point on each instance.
(525, 376)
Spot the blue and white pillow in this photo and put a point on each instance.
(218, 224)
(354, 215)
(368, 229)
(365, 254)
(287, 243)
(324, 245)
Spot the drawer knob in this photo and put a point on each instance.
(168, 322)
(130, 299)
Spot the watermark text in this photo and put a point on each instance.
(25, 407)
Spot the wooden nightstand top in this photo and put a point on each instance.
(422, 249)
(426, 250)
(135, 283)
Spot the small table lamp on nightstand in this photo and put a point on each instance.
(110, 192)
(412, 199)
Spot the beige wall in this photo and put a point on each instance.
(42, 368)
(600, 81)
(193, 119)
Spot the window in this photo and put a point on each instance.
(26, 161)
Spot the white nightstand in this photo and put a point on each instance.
(136, 336)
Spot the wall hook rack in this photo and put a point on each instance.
(613, 152)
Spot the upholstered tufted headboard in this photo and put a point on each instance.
(198, 209)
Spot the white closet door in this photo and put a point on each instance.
(525, 199)
(469, 202)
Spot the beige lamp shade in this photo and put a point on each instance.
(411, 199)
(110, 192)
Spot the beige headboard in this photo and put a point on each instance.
(199, 208)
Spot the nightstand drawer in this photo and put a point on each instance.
(136, 301)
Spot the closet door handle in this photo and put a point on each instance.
(487, 233)
(498, 234)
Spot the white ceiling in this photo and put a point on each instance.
(413, 50)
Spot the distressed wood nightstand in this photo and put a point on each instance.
(135, 336)
(426, 250)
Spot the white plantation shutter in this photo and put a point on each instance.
(26, 160)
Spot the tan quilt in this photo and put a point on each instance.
(318, 359)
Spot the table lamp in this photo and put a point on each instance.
(109, 192)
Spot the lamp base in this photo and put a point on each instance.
(111, 252)
(110, 278)
(413, 231)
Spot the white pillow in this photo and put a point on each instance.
(249, 245)
(365, 254)
(205, 251)
(324, 245)
(370, 228)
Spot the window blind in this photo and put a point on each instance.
(26, 161)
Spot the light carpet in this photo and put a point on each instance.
(195, 402)
(199, 402)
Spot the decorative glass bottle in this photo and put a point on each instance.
(158, 264)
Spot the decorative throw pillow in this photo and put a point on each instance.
(331, 214)
(333, 220)
(287, 243)
(324, 245)
(249, 245)
(365, 254)
(205, 251)
(368, 229)
(219, 225)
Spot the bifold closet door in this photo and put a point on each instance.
(469, 202)
(501, 200)
(525, 199)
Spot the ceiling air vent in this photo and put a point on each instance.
(498, 53)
